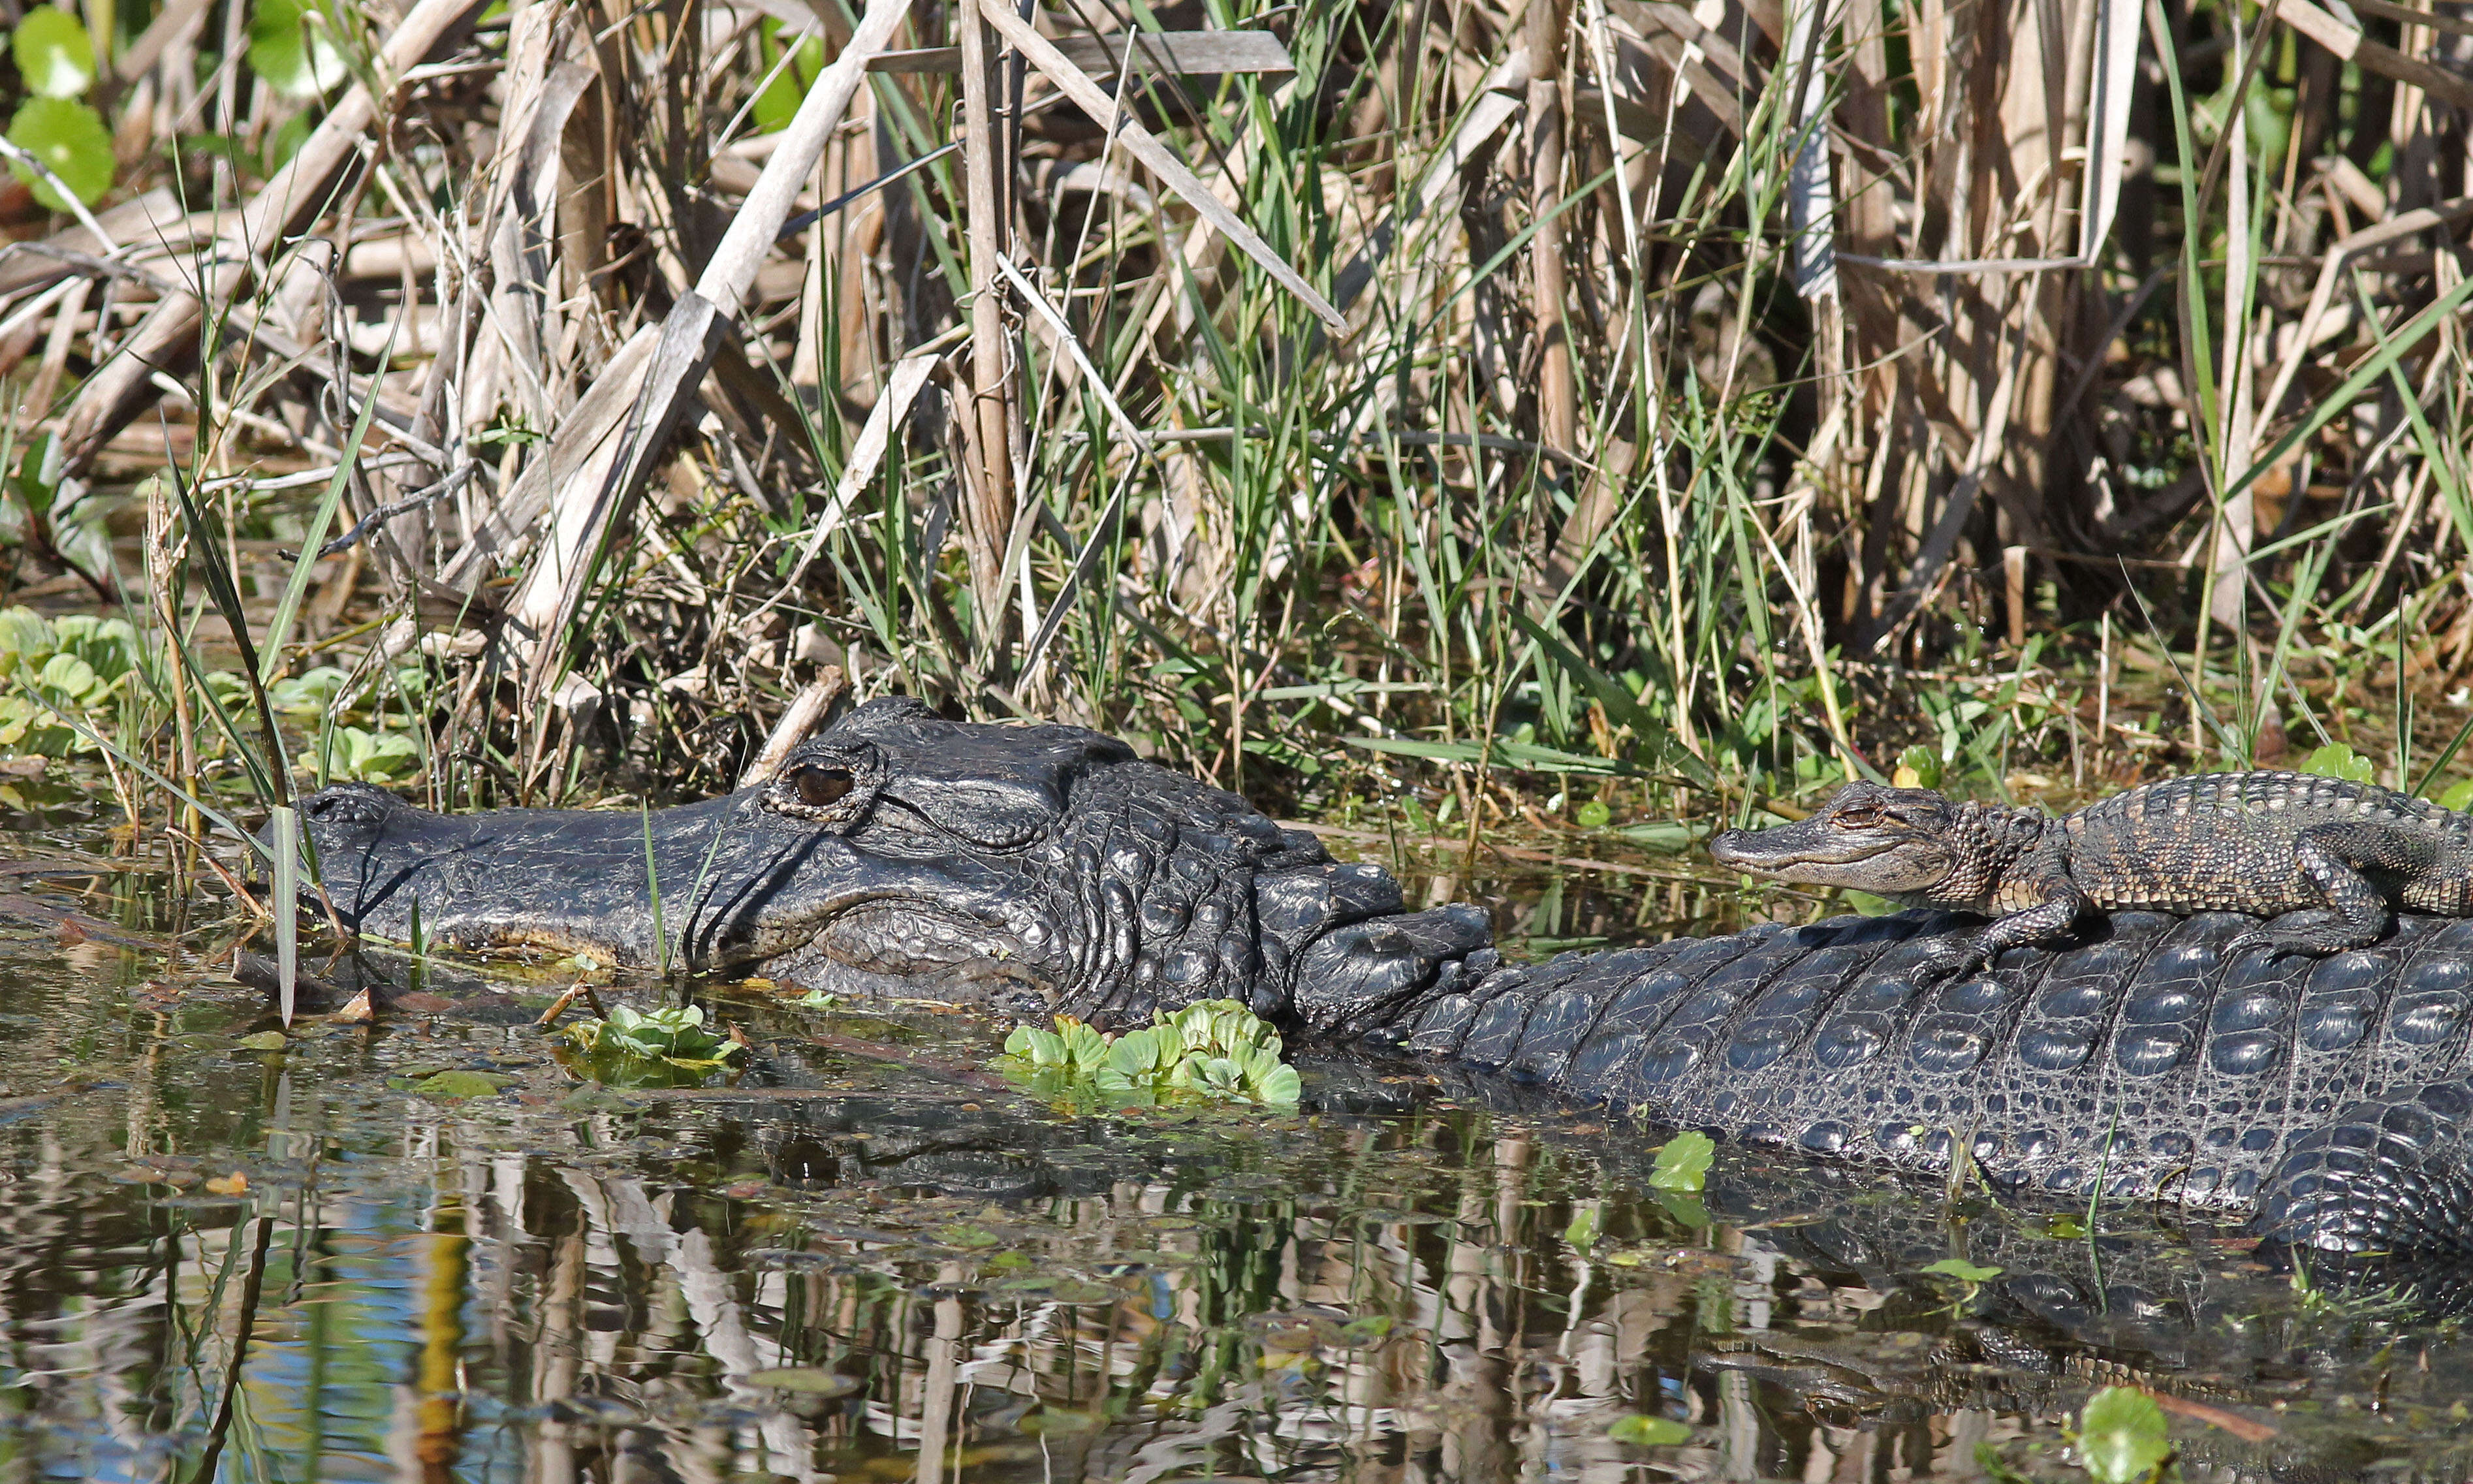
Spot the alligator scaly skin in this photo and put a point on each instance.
(2341, 853)
(2228, 841)
(1044, 870)
(2328, 1099)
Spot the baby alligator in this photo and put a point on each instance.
(2340, 853)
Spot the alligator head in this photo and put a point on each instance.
(1028, 869)
(1891, 841)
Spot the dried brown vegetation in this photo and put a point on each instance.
(1731, 393)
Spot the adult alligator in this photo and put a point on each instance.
(1039, 869)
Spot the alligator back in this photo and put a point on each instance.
(2227, 842)
(2141, 1060)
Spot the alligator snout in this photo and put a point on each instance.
(1731, 848)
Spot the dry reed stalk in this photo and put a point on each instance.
(296, 194)
(1726, 340)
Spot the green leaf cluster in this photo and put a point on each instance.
(2122, 1438)
(2336, 760)
(677, 1035)
(291, 44)
(78, 664)
(84, 666)
(56, 58)
(1642, 1430)
(1683, 1162)
(366, 756)
(1214, 1051)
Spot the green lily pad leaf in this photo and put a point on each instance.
(805, 1380)
(289, 46)
(1594, 815)
(71, 140)
(2336, 760)
(461, 1084)
(2458, 796)
(2121, 1437)
(263, 1040)
(55, 55)
(1644, 1431)
(1683, 1162)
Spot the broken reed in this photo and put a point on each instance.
(1681, 523)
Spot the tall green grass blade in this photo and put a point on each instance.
(2392, 349)
(274, 779)
(285, 827)
(278, 629)
(653, 883)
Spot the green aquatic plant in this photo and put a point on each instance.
(677, 1035)
(1683, 1162)
(1643, 1430)
(365, 756)
(1969, 1279)
(2121, 1437)
(2336, 760)
(90, 671)
(80, 664)
(1212, 1051)
(55, 61)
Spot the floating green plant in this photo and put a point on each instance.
(1212, 1051)
(651, 1048)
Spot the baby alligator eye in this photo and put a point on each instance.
(821, 786)
(1858, 819)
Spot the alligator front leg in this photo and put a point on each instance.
(2049, 920)
(2357, 914)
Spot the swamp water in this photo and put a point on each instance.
(226, 1253)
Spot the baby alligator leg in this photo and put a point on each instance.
(2055, 911)
(2357, 913)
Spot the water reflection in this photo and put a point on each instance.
(224, 1261)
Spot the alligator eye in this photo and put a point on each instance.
(819, 787)
(1858, 819)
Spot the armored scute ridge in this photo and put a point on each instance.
(1044, 869)
(2327, 1096)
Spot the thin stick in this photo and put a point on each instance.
(2103, 680)
(987, 513)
